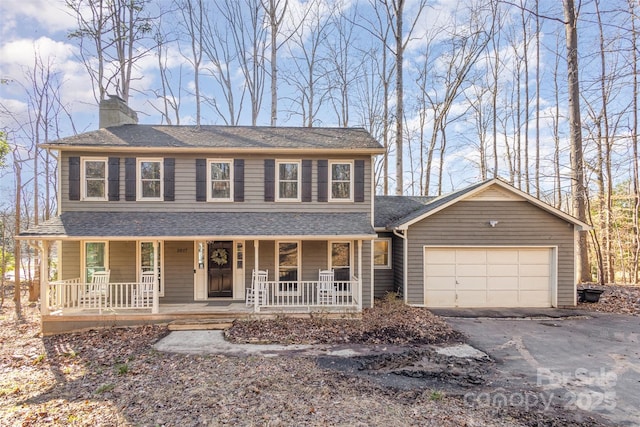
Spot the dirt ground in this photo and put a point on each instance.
(114, 377)
(622, 299)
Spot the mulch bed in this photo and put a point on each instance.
(390, 322)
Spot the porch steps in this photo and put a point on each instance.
(201, 324)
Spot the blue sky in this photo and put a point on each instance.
(39, 28)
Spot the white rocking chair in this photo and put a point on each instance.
(326, 287)
(98, 289)
(258, 288)
(144, 291)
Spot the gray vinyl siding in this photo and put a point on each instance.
(466, 224)
(122, 261)
(178, 272)
(383, 277)
(71, 260)
(185, 187)
(397, 255)
(314, 258)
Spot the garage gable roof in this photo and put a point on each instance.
(443, 202)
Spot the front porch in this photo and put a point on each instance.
(75, 297)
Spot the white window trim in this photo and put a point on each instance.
(215, 199)
(389, 248)
(83, 178)
(160, 261)
(341, 162)
(299, 256)
(139, 178)
(84, 256)
(351, 257)
(277, 189)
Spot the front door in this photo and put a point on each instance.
(220, 268)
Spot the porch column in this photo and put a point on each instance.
(155, 309)
(256, 247)
(44, 277)
(256, 266)
(360, 274)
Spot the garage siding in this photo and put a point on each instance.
(466, 224)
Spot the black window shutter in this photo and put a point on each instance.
(323, 179)
(269, 180)
(74, 178)
(201, 180)
(306, 180)
(130, 179)
(114, 179)
(169, 179)
(358, 191)
(238, 180)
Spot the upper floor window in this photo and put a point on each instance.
(220, 180)
(341, 182)
(288, 184)
(149, 179)
(382, 253)
(94, 179)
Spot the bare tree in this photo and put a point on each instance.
(246, 21)
(308, 75)
(219, 49)
(579, 193)
(395, 20)
(193, 15)
(635, 178)
(110, 35)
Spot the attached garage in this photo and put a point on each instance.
(488, 277)
(487, 245)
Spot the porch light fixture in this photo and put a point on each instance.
(493, 223)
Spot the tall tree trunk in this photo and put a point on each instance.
(17, 167)
(537, 171)
(399, 9)
(579, 193)
(636, 185)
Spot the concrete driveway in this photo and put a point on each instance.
(590, 363)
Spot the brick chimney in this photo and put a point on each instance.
(114, 111)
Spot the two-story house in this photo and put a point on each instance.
(164, 222)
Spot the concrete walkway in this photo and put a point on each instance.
(213, 342)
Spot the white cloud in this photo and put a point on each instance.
(52, 15)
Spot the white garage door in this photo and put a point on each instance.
(488, 277)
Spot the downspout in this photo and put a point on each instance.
(58, 193)
(405, 263)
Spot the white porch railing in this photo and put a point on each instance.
(309, 294)
(73, 294)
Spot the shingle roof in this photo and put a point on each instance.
(82, 224)
(433, 204)
(223, 137)
(390, 208)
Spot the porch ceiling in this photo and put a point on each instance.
(82, 225)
